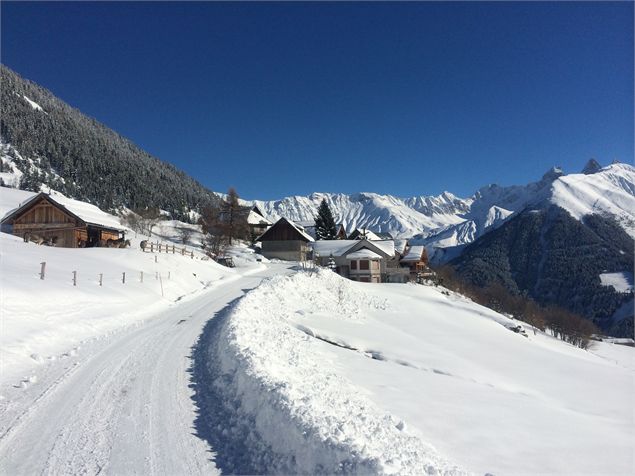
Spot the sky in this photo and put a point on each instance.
(279, 99)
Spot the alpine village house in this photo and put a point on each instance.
(61, 221)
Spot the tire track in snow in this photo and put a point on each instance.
(124, 407)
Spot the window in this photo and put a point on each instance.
(353, 264)
(363, 264)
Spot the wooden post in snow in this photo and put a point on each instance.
(142, 276)
(74, 278)
(101, 278)
(123, 278)
(42, 269)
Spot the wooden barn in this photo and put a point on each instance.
(285, 240)
(62, 222)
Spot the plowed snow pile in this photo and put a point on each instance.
(325, 375)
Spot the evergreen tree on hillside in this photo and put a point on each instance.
(325, 228)
(62, 148)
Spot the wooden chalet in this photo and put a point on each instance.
(416, 260)
(61, 221)
(285, 240)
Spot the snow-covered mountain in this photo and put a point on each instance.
(403, 218)
(447, 222)
(609, 191)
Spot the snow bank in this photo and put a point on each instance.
(302, 414)
(325, 375)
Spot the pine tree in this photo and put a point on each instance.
(325, 228)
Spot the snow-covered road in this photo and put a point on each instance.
(123, 404)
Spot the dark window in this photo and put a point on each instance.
(353, 264)
(363, 264)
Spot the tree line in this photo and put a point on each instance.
(555, 320)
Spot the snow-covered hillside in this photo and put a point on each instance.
(328, 375)
(44, 319)
(609, 191)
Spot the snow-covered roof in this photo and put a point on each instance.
(333, 247)
(414, 253)
(387, 246)
(340, 247)
(85, 211)
(400, 245)
(363, 253)
(300, 230)
(255, 218)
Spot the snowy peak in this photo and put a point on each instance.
(609, 191)
(402, 218)
(591, 167)
(552, 174)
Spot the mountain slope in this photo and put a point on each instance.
(45, 141)
(608, 191)
(556, 259)
(385, 213)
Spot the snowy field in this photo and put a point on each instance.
(196, 368)
(329, 375)
(43, 320)
(621, 282)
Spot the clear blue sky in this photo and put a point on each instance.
(290, 98)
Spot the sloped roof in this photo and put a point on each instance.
(359, 234)
(282, 222)
(363, 253)
(89, 214)
(333, 247)
(255, 218)
(400, 246)
(414, 253)
(387, 246)
(342, 247)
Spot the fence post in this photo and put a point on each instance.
(74, 278)
(168, 275)
(101, 277)
(183, 251)
(192, 254)
(161, 281)
(42, 269)
(152, 248)
(123, 277)
(156, 275)
(142, 276)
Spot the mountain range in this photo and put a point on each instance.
(553, 239)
